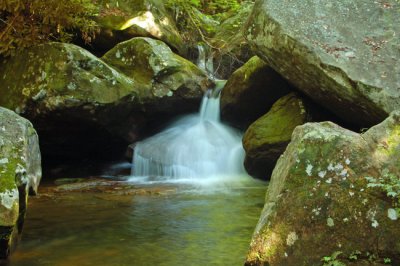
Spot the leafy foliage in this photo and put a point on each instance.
(388, 183)
(214, 8)
(333, 260)
(27, 22)
(201, 17)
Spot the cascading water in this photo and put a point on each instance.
(196, 146)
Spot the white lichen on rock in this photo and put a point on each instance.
(392, 214)
(330, 222)
(4, 161)
(375, 223)
(309, 169)
(9, 198)
(322, 174)
(291, 238)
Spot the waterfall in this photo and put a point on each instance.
(196, 146)
(205, 60)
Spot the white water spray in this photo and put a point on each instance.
(196, 146)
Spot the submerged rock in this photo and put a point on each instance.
(122, 20)
(82, 107)
(20, 171)
(250, 92)
(344, 55)
(266, 139)
(334, 193)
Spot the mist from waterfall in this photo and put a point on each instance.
(195, 146)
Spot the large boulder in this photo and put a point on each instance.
(250, 92)
(266, 139)
(344, 55)
(122, 20)
(76, 101)
(20, 171)
(333, 197)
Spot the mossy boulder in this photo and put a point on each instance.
(344, 55)
(20, 171)
(76, 100)
(122, 20)
(152, 62)
(250, 92)
(266, 139)
(329, 197)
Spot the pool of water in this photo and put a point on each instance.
(180, 224)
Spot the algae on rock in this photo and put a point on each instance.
(20, 172)
(266, 139)
(320, 194)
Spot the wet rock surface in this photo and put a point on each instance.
(113, 188)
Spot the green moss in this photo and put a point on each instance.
(7, 180)
(278, 124)
(58, 74)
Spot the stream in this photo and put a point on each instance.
(147, 224)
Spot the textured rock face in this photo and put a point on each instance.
(77, 101)
(266, 139)
(344, 55)
(20, 171)
(324, 197)
(250, 92)
(122, 20)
